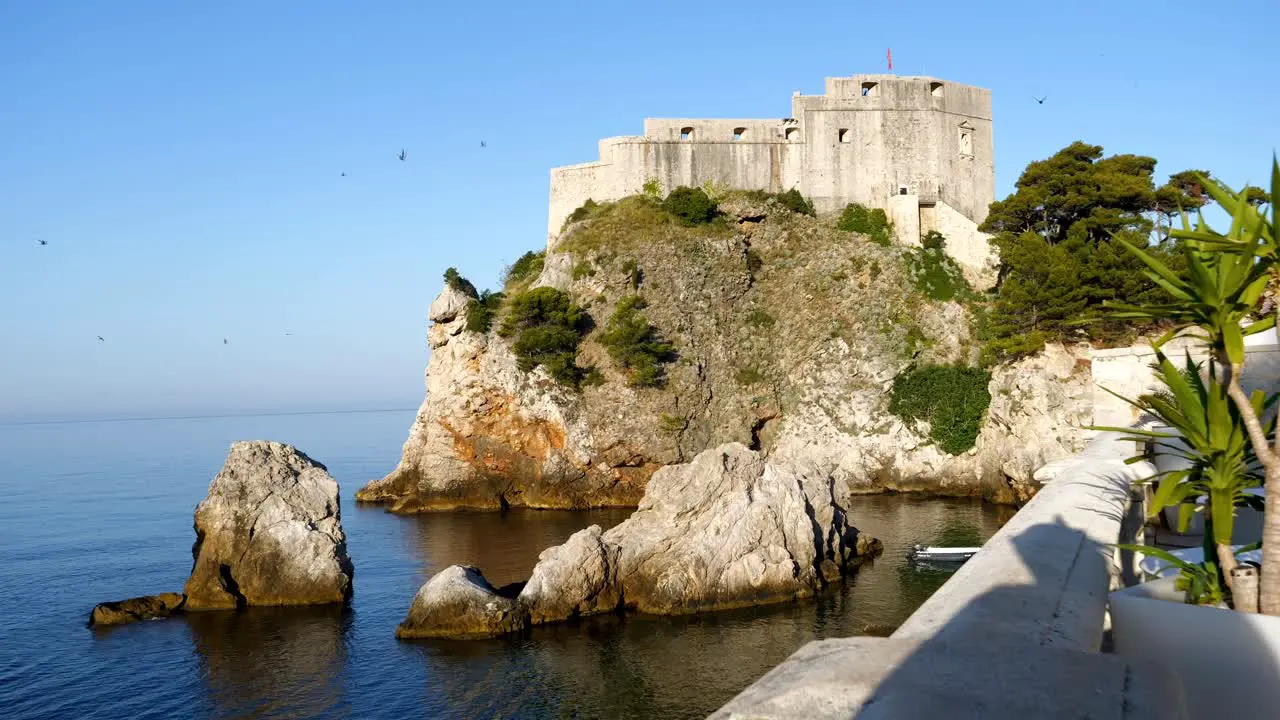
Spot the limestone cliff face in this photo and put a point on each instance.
(789, 334)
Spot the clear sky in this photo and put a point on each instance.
(183, 160)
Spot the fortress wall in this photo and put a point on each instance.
(926, 137)
(966, 245)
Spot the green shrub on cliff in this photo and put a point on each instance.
(951, 398)
(691, 206)
(481, 311)
(454, 279)
(582, 212)
(873, 223)
(635, 344)
(547, 326)
(795, 202)
(935, 274)
(526, 267)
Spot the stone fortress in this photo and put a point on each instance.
(918, 147)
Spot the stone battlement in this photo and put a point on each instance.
(918, 147)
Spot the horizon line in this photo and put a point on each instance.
(203, 417)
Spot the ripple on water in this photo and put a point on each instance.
(102, 511)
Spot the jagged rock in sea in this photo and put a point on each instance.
(789, 334)
(578, 578)
(147, 607)
(726, 530)
(269, 533)
(458, 602)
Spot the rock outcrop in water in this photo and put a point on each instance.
(147, 607)
(789, 334)
(268, 533)
(726, 530)
(458, 602)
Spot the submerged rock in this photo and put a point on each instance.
(459, 602)
(726, 530)
(147, 607)
(269, 533)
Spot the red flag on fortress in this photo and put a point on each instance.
(890, 56)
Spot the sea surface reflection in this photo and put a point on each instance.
(99, 511)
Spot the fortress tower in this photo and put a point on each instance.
(918, 147)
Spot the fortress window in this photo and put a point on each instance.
(738, 133)
(935, 89)
(966, 140)
(843, 135)
(869, 88)
(686, 133)
(792, 133)
(902, 189)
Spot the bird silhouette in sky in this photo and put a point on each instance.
(224, 341)
(403, 155)
(43, 242)
(1040, 100)
(483, 144)
(344, 174)
(101, 339)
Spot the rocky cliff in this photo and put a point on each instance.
(788, 334)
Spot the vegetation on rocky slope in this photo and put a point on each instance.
(635, 344)
(951, 398)
(546, 326)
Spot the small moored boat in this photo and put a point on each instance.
(929, 554)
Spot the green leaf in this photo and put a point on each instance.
(1234, 342)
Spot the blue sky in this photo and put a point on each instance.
(183, 160)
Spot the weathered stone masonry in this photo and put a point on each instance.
(918, 147)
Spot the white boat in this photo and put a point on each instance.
(930, 554)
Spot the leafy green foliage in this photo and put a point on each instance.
(1061, 238)
(526, 267)
(748, 376)
(547, 326)
(1220, 432)
(582, 212)
(873, 223)
(760, 318)
(795, 202)
(951, 398)
(583, 269)
(635, 344)
(1208, 435)
(935, 274)
(481, 311)
(652, 188)
(454, 279)
(691, 206)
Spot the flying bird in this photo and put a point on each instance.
(344, 174)
(101, 339)
(483, 144)
(1040, 100)
(224, 341)
(403, 155)
(43, 242)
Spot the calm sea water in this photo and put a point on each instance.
(103, 511)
